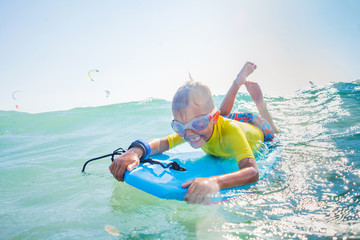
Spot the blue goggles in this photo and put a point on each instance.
(196, 124)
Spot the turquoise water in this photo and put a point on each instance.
(312, 192)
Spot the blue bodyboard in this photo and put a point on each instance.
(166, 183)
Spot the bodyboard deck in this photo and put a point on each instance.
(166, 183)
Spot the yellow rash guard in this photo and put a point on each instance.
(230, 139)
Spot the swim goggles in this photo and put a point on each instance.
(196, 124)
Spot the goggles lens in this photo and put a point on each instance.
(196, 124)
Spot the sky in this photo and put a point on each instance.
(146, 48)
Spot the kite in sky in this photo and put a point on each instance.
(89, 75)
(90, 72)
(107, 93)
(13, 96)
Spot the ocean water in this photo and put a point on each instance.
(312, 192)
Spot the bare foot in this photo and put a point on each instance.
(255, 93)
(248, 68)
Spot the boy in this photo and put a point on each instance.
(197, 122)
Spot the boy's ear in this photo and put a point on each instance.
(216, 116)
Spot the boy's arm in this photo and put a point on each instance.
(159, 145)
(248, 173)
(200, 189)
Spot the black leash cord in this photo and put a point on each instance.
(118, 151)
(173, 165)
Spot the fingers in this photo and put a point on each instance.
(117, 170)
(131, 166)
(123, 163)
(197, 195)
(198, 191)
(191, 196)
(190, 192)
(120, 174)
(112, 167)
(187, 184)
(206, 199)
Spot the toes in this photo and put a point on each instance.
(249, 82)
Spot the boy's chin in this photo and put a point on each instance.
(196, 145)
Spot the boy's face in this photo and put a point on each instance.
(195, 138)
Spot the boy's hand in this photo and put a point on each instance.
(200, 189)
(127, 161)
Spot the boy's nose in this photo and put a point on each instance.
(188, 131)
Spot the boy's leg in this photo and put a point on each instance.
(228, 102)
(257, 96)
(256, 121)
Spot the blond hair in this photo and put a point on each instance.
(195, 92)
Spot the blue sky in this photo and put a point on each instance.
(146, 48)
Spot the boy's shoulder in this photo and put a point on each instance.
(229, 126)
(226, 124)
(227, 121)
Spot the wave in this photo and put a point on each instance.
(330, 103)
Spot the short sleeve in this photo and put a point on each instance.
(235, 141)
(174, 140)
